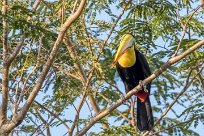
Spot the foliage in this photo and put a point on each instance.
(156, 25)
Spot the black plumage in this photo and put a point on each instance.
(131, 77)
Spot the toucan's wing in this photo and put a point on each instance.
(125, 77)
(145, 66)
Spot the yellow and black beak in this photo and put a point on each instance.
(125, 44)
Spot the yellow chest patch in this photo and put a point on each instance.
(128, 59)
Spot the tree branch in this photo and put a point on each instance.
(7, 61)
(85, 80)
(16, 50)
(202, 2)
(67, 73)
(132, 113)
(5, 68)
(19, 46)
(44, 122)
(38, 126)
(77, 114)
(138, 87)
(185, 28)
(53, 114)
(75, 5)
(111, 30)
(36, 4)
(19, 118)
(173, 126)
(50, 60)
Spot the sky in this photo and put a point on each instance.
(70, 113)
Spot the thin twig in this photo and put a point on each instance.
(77, 113)
(71, 49)
(184, 30)
(20, 45)
(202, 1)
(132, 113)
(67, 73)
(53, 114)
(38, 126)
(111, 31)
(173, 126)
(36, 4)
(44, 122)
(114, 86)
(75, 5)
(23, 88)
(109, 101)
(178, 15)
(39, 59)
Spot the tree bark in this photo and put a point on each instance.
(5, 68)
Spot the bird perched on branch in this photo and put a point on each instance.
(132, 68)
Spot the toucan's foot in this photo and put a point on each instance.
(141, 83)
(123, 99)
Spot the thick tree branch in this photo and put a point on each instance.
(138, 87)
(19, 118)
(5, 68)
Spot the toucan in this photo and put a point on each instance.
(132, 68)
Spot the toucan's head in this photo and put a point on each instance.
(126, 44)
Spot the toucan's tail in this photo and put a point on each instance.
(145, 119)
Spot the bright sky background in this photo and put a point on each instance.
(70, 113)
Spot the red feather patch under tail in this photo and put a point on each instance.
(142, 95)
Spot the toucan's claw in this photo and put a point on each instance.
(123, 99)
(141, 83)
